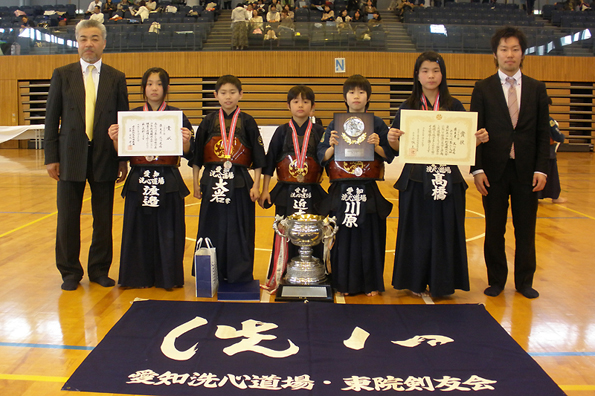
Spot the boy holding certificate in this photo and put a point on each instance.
(292, 153)
(431, 248)
(357, 257)
(228, 143)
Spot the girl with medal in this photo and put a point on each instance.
(431, 245)
(228, 144)
(357, 256)
(154, 229)
(292, 153)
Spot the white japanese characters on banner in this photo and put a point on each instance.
(150, 133)
(251, 335)
(187, 348)
(438, 137)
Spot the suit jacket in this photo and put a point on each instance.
(68, 143)
(530, 137)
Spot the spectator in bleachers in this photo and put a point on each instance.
(567, 5)
(92, 5)
(151, 5)
(583, 6)
(256, 22)
(142, 12)
(274, 3)
(302, 4)
(286, 21)
(343, 17)
(375, 21)
(273, 15)
(97, 15)
(109, 8)
(317, 5)
(289, 3)
(290, 13)
(124, 5)
(369, 8)
(352, 5)
(530, 6)
(399, 7)
(26, 22)
(260, 7)
(239, 29)
(328, 15)
(357, 17)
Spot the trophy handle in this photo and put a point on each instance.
(331, 222)
(279, 220)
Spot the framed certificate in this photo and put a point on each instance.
(150, 133)
(438, 137)
(354, 130)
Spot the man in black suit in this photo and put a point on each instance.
(83, 101)
(514, 161)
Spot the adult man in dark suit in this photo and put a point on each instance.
(83, 101)
(514, 161)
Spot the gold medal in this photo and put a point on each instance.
(300, 178)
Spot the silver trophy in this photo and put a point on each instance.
(305, 231)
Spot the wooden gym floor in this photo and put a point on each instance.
(46, 333)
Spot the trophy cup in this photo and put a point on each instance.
(306, 276)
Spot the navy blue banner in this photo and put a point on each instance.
(190, 348)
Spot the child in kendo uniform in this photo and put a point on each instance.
(357, 256)
(154, 228)
(292, 154)
(228, 144)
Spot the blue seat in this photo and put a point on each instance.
(164, 40)
(454, 41)
(115, 40)
(150, 41)
(178, 41)
(134, 42)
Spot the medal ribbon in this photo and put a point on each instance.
(300, 155)
(424, 104)
(161, 108)
(228, 142)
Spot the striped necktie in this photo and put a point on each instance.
(89, 102)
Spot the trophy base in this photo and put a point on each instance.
(309, 271)
(321, 292)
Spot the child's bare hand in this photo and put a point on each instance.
(186, 134)
(113, 131)
(374, 139)
(264, 197)
(334, 139)
(394, 134)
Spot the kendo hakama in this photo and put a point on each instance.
(154, 227)
(431, 245)
(357, 256)
(227, 212)
(290, 195)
